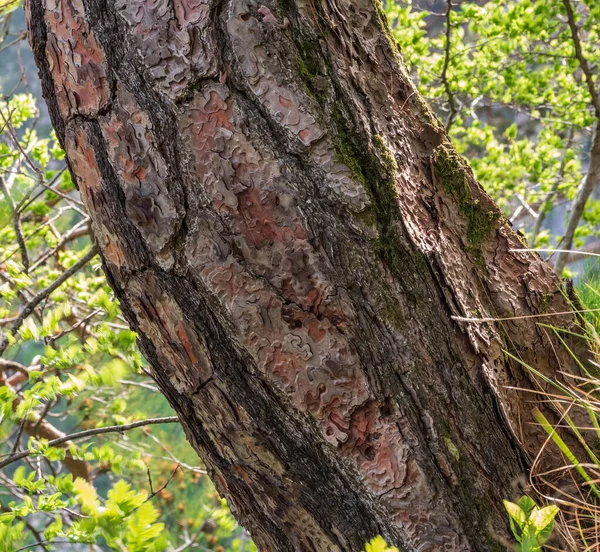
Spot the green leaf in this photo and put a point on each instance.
(378, 544)
(515, 512)
(54, 529)
(86, 496)
(542, 518)
(529, 540)
(526, 504)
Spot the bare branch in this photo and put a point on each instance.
(89, 433)
(52, 339)
(449, 93)
(593, 174)
(45, 293)
(583, 63)
(15, 140)
(12, 365)
(546, 204)
(583, 193)
(82, 228)
(16, 218)
(153, 493)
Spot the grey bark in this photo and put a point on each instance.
(584, 192)
(290, 232)
(593, 175)
(547, 203)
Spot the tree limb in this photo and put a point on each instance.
(89, 433)
(591, 179)
(16, 218)
(449, 93)
(45, 293)
(583, 63)
(546, 204)
(583, 193)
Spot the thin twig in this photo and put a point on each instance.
(546, 204)
(89, 433)
(173, 457)
(78, 324)
(189, 541)
(444, 77)
(15, 140)
(591, 179)
(6, 364)
(478, 320)
(82, 228)
(13, 42)
(16, 219)
(41, 543)
(153, 493)
(152, 388)
(40, 228)
(45, 293)
(583, 63)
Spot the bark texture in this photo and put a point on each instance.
(288, 228)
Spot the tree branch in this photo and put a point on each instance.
(16, 218)
(89, 433)
(449, 93)
(14, 366)
(546, 204)
(154, 493)
(583, 193)
(45, 293)
(583, 63)
(593, 175)
(80, 229)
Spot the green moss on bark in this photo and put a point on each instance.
(311, 66)
(386, 156)
(385, 26)
(545, 302)
(284, 7)
(374, 166)
(451, 170)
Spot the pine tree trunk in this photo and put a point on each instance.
(288, 228)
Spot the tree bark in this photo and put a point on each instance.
(288, 228)
(586, 188)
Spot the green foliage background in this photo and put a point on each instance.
(504, 77)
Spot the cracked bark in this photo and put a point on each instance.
(290, 232)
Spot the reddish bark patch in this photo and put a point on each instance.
(143, 174)
(172, 38)
(183, 352)
(76, 60)
(278, 298)
(89, 181)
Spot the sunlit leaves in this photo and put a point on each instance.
(378, 544)
(531, 525)
(518, 89)
(18, 109)
(11, 533)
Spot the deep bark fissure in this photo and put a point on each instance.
(263, 412)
